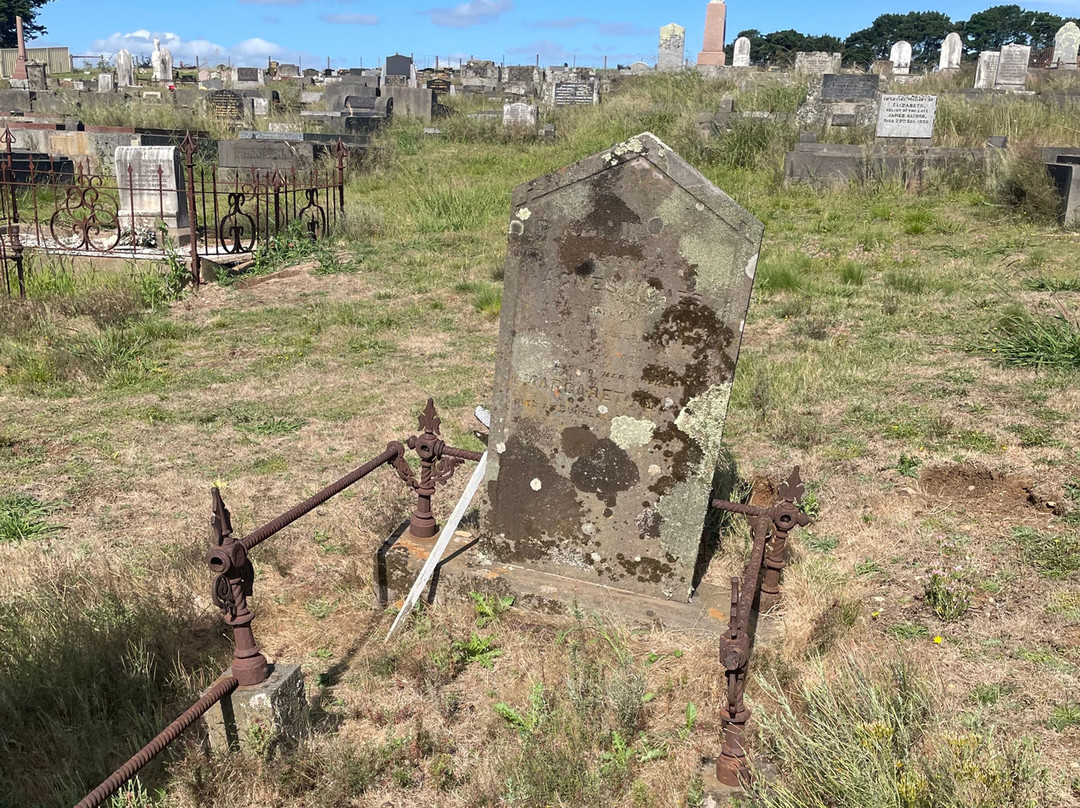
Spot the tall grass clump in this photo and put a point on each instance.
(860, 735)
(1029, 340)
(456, 207)
(91, 668)
(1022, 186)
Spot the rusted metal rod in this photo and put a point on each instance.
(774, 522)
(393, 451)
(100, 794)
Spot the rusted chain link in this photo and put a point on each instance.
(393, 451)
(215, 694)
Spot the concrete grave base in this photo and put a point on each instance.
(464, 569)
(716, 793)
(262, 718)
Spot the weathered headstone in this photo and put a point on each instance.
(151, 187)
(575, 93)
(37, 76)
(986, 70)
(1066, 45)
(1012, 68)
(225, 105)
(639, 69)
(125, 69)
(672, 55)
(900, 56)
(740, 56)
(520, 115)
(817, 62)
(849, 86)
(288, 71)
(105, 82)
(628, 277)
(952, 49)
(264, 155)
(260, 107)
(907, 116)
(249, 77)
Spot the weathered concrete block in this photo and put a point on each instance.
(263, 718)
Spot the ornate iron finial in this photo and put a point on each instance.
(220, 519)
(429, 420)
(792, 490)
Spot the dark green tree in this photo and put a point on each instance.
(925, 30)
(27, 9)
(1005, 25)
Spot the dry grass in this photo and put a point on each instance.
(862, 348)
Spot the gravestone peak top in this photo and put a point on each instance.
(628, 276)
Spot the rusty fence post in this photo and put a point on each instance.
(339, 152)
(188, 148)
(770, 528)
(231, 589)
(13, 219)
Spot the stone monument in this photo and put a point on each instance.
(162, 62)
(900, 56)
(520, 115)
(105, 82)
(817, 62)
(1012, 69)
(125, 69)
(1066, 44)
(151, 187)
(952, 50)
(672, 56)
(712, 49)
(986, 70)
(628, 276)
(740, 56)
(907, 116)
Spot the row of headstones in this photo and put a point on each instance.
(1066, 45)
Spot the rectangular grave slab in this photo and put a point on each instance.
(907, 116)
(152, 187)
(628, 276)
(844, 86)
(264, 155)
(574, 93)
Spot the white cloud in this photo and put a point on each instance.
(474, 12)
(549, 52)
(141, 42)
(350, 19)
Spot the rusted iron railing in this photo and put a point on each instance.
(235, 576)
(769, 527)
(70, 207)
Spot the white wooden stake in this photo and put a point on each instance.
(440, 546)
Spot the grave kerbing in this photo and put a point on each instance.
(628, 277)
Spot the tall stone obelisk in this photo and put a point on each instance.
(712, 52)
(20, 57)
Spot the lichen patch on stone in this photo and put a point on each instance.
(627, 432)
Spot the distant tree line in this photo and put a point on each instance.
(925, 30)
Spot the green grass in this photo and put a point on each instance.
(1054, 555)
(486, 297)
(24, 517)
(1025, 340)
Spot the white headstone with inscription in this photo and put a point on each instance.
(952, 49)
(906, 116)
(1012, 68)
(1066, 45)
(817, 62)
(900, 56)
(105, 82)
(520, 115)
(986, 70)
(151, 186)
(741, 54)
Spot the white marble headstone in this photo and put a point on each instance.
(906, 116)
(986, 70)
(741, 54)
(900, 56)
(125, 69)
(1012, 70)
(1066, 45)
(952, 49)
(152, 188)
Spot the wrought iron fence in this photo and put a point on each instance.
(66, 207)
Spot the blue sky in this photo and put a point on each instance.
(353, 31)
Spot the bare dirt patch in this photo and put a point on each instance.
(980, 487)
